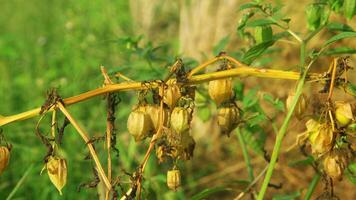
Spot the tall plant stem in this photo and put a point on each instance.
(245, 154)
(282, 131)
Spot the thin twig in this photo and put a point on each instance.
(252, 183)
(85, 137)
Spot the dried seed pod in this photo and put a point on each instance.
(220, 90)
(335, 164)
(57, 172)
(139, 124)
(171, 93)
(228, 119)
(180, 119)
(321, 140)
(300, 107)
(343, 113)
(173, 179)
(4, 158)
(154, 112)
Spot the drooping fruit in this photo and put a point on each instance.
(228, 119)
(220, 90)
(321, 140)
(139, 124)
(4, 158)
(300, 107)
(343, 113)
(335, 164)
(180, 119)
(171, 94)
(173, 179)
(57, 172)
(154, 113)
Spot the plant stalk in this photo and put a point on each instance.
(241, 71)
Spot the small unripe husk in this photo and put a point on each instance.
(220, 90)
(139, 124)
(228, 118)
(154, 112)
(57, 172)
(180, 119)
(300, 107)
(321, 140)
(335, 164)
(173, 179)
(171, 93)
(343, 113)
(4, 158)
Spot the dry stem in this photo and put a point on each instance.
(85, 137)
(241, 71)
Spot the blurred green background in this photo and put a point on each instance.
(62, 44)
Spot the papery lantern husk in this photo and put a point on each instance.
(343, 113)
(171, 94)
(180, 119)
(4, 158)
(220, 90)
(228, 119)
(173, 179)
(139, 124)
(334, 164)
(154, 112)
(57, 172)
(322, 139)
(300, 107)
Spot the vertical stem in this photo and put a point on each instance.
(312, 186)
(109, 128)
(245, 154)
(85, 137)
(282, 131)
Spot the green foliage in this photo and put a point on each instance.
(207, 192)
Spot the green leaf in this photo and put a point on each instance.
(278, 104)
(260, 22)
(207, 192)
(255, 139)
(351, 173)
(336, 26)
(287, 196)
(308, 161)
(263, 34)
(221, 45)
(340, 36)
(351, 89)
(339, 50)
(256, 51)
(349, 8)
(250, 99)
(204, 113)
(249, 5)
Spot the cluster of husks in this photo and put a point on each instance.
(172, 121)
(4, 158)
(221, 92)
(57, 172)
(323, 137)
(144, 120)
